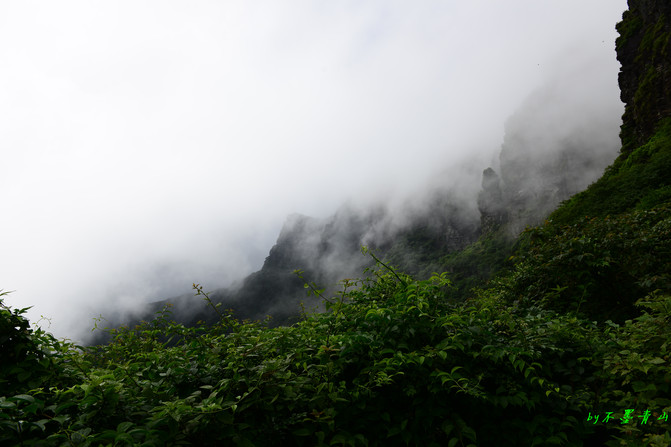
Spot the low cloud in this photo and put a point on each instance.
(149, 145)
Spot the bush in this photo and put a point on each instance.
(391, 362)
(597, 268)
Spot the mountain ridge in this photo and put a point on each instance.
(431, 234)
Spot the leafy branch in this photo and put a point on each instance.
(366, 251)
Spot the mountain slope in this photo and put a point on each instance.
(639, 177)
(529, 360)
(610, 245)
(453, 227)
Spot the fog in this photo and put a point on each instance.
(148, 145)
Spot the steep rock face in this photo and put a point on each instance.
(442, 224)
(644, 50)
(298, 241)
(325, 250)
(328, 250)
(639, 177)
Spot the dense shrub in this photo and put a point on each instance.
(597, 268)
(390, 363)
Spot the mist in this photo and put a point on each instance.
(148, 145)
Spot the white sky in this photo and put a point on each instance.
(146, 145)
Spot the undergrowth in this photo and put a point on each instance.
(391, 362)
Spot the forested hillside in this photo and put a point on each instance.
(558, 337)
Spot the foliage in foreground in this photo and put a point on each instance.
(391, 363)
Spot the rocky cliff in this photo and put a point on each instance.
(644, 52)
(639, 177)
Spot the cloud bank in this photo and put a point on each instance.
(146, 145)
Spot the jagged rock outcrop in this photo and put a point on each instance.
(299, 240)
(644, 51)
(490, 202)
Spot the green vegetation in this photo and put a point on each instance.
(571, 337)
(568, 344)
(392, 362)
(597, 268)
(655, 42)
(629, 26)
(478, 262)
(636, 180)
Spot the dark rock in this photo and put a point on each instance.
(644, 51)
(490, 202)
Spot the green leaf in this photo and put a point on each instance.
(6, 404)
(24, 397)
(639, 386)
(61, 419)
(124, 437)
(123, 427)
